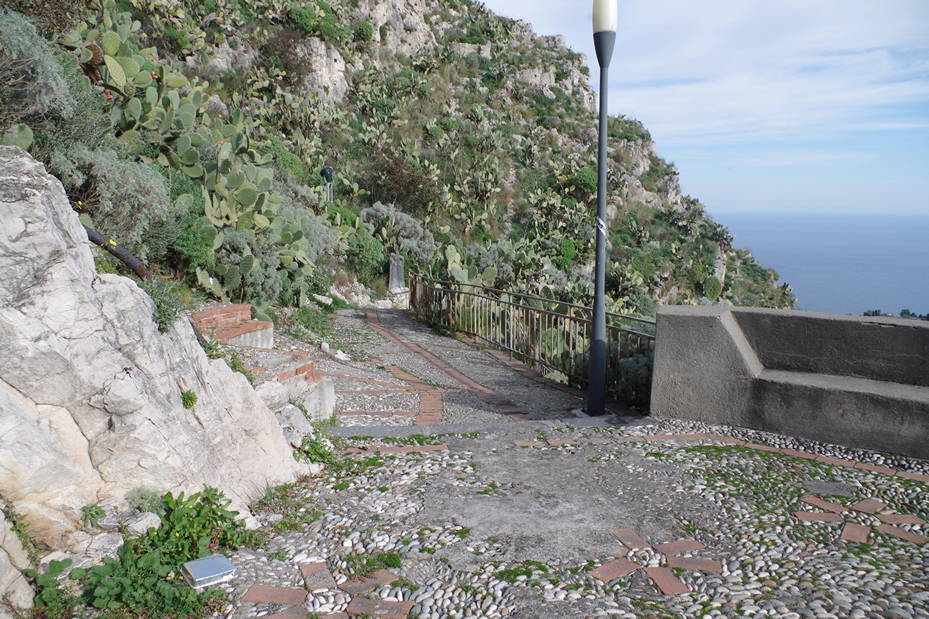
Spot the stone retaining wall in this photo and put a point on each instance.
(850, 380)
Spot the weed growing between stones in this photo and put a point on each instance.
(20, 528)
(53, 600)
(91, 514)
(364, 565)
(291, 502)
(413, 439)
(214, 349)
(145, 500)
(320, 449)
(188, 398)
(167, 303)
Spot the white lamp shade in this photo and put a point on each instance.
(604, 15)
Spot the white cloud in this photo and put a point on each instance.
(737, 69)
(840, 87)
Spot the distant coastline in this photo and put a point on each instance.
(841, 263)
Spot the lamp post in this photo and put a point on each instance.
(604, 21)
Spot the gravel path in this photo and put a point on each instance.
(567, 516)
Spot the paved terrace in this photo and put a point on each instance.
(477, 491)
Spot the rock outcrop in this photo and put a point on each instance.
(90, 390)
(13, 558)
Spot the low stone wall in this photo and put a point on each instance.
(850, 380)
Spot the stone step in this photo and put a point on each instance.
(233, 324)
(222, 316)
(280, 365)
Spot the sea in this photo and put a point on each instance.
(841, 263)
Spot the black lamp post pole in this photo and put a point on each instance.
(604, 18)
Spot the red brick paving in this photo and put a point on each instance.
(431, 406)
(818, 502)
(868, 506)
(358, 584)
(294, 612)
(666, 581)
(681, 545)
(274, 595)
(614, 569)
(316, 576)
(834, 461)
(797, 454)
(903, 534)
(875, 469)
(630, 538)
(818, 517)
(697, 565)
(914, 476)
(381, 609)
(900, 519)
(852, 532)
(762, 447)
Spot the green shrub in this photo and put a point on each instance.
(348, 218)
(124, 198)
(194, 242)
(393, 178)
(304, 18)
(281, 52)
(286, 160)
(655, 177)
(365, 256)
(326, 26)
(167, 303)
(398, 232)
(625, 129)
(52, 600)
(567, 251)
(585, 180)
(145, 500)
(32, 81)
(363, 31)
(52, 17)
(314, 321)
(176, 39)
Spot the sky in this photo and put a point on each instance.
(770, 105)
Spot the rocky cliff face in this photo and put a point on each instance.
(90, 391)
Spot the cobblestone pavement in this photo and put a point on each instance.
(470, 489)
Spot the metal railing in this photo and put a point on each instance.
(550, 335)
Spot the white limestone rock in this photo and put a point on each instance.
(90, 390)
(13, 558)
(293, 418)
(274, 394)
(326, 70)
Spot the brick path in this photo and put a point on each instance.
(431, 407)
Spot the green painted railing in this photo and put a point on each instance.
(550, 335)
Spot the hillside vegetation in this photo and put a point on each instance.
(193, 134)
